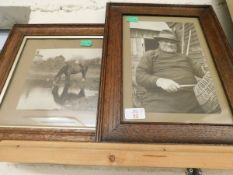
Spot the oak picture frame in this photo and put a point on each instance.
(112, 127)
(8, 56)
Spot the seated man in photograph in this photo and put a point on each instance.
(169, 78)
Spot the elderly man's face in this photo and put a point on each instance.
(168, 46)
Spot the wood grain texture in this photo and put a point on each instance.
(111, 127)
(108, 154)
(6, 61)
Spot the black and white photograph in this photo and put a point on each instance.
(62, 79)
(169, 69)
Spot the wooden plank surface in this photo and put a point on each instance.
(112, 154)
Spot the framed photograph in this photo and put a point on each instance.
(49, 82)
(167, 77)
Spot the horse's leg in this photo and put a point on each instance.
(84, 69)
(66, 84)
(67, 75)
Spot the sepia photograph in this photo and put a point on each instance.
(62, 79)
(169, 69)
(50, 82)
(166, 79)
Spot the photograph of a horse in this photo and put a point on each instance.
(62, 79)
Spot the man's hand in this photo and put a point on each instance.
(168, 85)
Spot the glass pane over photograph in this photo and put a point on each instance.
(168, 71)
(3, 37)
(55, 83)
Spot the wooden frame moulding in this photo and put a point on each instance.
(8, 55)
(112, 127)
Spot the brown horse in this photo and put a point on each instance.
(70, 69)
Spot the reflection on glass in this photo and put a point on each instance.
(3, 37)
